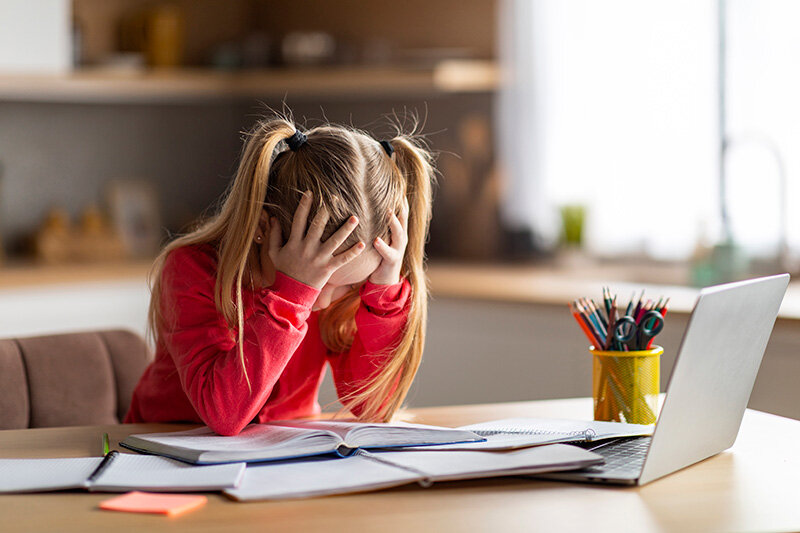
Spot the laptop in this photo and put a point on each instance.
(708, 391)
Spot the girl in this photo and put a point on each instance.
(315, 256)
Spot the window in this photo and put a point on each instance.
(614, 105)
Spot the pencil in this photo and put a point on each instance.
(599, 314)
(593, 326)
(630, 305)
(612, 316)
(586, 311)
(586, 331)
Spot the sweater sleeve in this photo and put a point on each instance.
(205, 348)
(380, 321)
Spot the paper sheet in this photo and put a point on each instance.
(39, 475)
(317, 477)
(153, 473)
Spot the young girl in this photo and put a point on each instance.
(315, 257)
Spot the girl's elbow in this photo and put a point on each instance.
(227, 426)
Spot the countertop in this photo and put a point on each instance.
(524, 283)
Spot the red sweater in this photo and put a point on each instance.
(197, 373)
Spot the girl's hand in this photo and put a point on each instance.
(305, 257)
(388, 271)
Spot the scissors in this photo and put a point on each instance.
(637, 336)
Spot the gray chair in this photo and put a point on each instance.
(69, 380)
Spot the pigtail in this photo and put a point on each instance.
(233, 229)
(384, 395)
(246, 200)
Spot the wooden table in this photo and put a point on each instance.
(751, 487)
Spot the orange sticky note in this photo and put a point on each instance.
(146, 502)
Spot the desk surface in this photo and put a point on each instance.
(751, 487)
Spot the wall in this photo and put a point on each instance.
(64, 154)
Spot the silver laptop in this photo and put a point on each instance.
(709, 388)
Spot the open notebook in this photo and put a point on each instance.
(367, 470)
(291, 439)
(126, 472)
(513, 433)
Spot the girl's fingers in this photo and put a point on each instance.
(398, 232)
(275, 240)
(382, 248)
(317, 226)
(336, 240)
(300, 220)
(348, 255)
(404, 214)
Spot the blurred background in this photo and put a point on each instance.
(581, 144)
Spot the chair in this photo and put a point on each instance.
(69, 379)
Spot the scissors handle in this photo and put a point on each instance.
(651, 325)
(625, 331)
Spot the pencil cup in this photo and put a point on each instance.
(625, 385)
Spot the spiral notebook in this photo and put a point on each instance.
(513, 433)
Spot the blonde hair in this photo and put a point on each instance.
(349, 173)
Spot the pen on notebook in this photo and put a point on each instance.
(103, 465)
(108, 457)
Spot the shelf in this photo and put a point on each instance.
(489, 282)
(558, 286)
(22, 275)
(181, 85)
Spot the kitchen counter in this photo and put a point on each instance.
(548, 284)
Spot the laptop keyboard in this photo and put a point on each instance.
(623, 456)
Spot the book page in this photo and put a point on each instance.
(255, 442)
(317, 477)
(252, 437)
(158, 474)
(405, 434)
(370, 435)
(36, 475)
(337, 427)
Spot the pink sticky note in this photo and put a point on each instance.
(146, 502)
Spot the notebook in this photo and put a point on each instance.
(513, 433)
(291, 439)
(371, 470)
(126, 472)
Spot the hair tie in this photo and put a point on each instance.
(297, 140)
(387, 147)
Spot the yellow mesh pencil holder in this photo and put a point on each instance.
(625, 385)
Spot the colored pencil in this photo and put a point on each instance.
(584, 327)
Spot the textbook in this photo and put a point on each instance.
(122, 473)
(370, 470)
(290, 439)
(513, 433)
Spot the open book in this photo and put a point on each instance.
(291, 439)
(365, 470)
(512, 433)
(125, 472)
